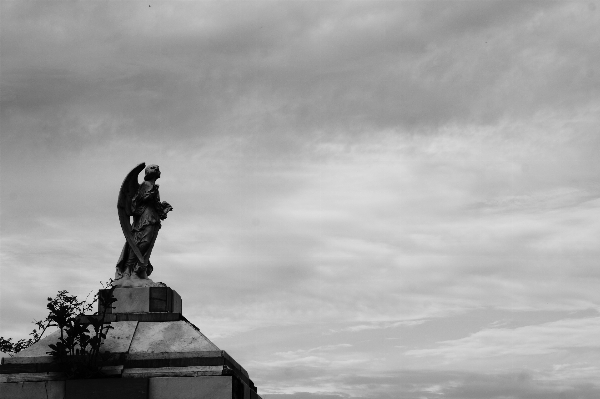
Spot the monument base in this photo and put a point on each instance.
(202, 387)
(152, 352)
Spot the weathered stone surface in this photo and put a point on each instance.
(190, 371)
(191, 388)
(134, 337)
(33, 390)
(118, 339)
(134, 361)
(27, 367)
(41, 347)
(143, 300)
(177, 305)
(175, 355)
(28, 359)
(131, 300)
(171, 336)
(22, 377)
(164, 299)
(157, 317)
(160, 300)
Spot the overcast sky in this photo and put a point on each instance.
(371, 200)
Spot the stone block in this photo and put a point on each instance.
(191, 387)
(118, 339)
(160, 300)
(164, 299)
(171, 336)
(177, 305)
(33, 390)
(27, 359)
(131, 300)
(190, 371)
(30, 376)
(144, 300)
(102, 388)
(156, 317)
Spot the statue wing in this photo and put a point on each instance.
(128, 189)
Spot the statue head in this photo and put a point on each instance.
(152, 172)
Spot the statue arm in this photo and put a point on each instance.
(163, 209)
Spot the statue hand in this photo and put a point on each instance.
(166, 207)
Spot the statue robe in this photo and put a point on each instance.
(147, 212)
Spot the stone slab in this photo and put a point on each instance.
(102, 388)
(157, 317)
(177, 303)
(33, 390)
(171, 336)
(27, 360)
(164, 299)
(161, 300)
(191, 371)
(173, 355)
(119, 337)
(143, 300)
(27, 367)
(31, 377)
(191, 388)
(176, 362)
(131, 300)
(41, 347)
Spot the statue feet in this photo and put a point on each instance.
(135, 282)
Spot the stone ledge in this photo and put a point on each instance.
(115, 317)
(140, 365)
(198, 387)
(190, 371)
(31, 377)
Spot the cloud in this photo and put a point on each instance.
(388, 232)
(381, 325)
(273, 72)
(570, 340)
(322, 348)
(451, 384)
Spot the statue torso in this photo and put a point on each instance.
(145, 205)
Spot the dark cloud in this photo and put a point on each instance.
(265, 69)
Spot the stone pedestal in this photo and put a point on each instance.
(144, 300)
(153, 353)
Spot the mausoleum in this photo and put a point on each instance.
(151, 350)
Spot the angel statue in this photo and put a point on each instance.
(142, 201)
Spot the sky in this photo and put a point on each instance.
(371, 199)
